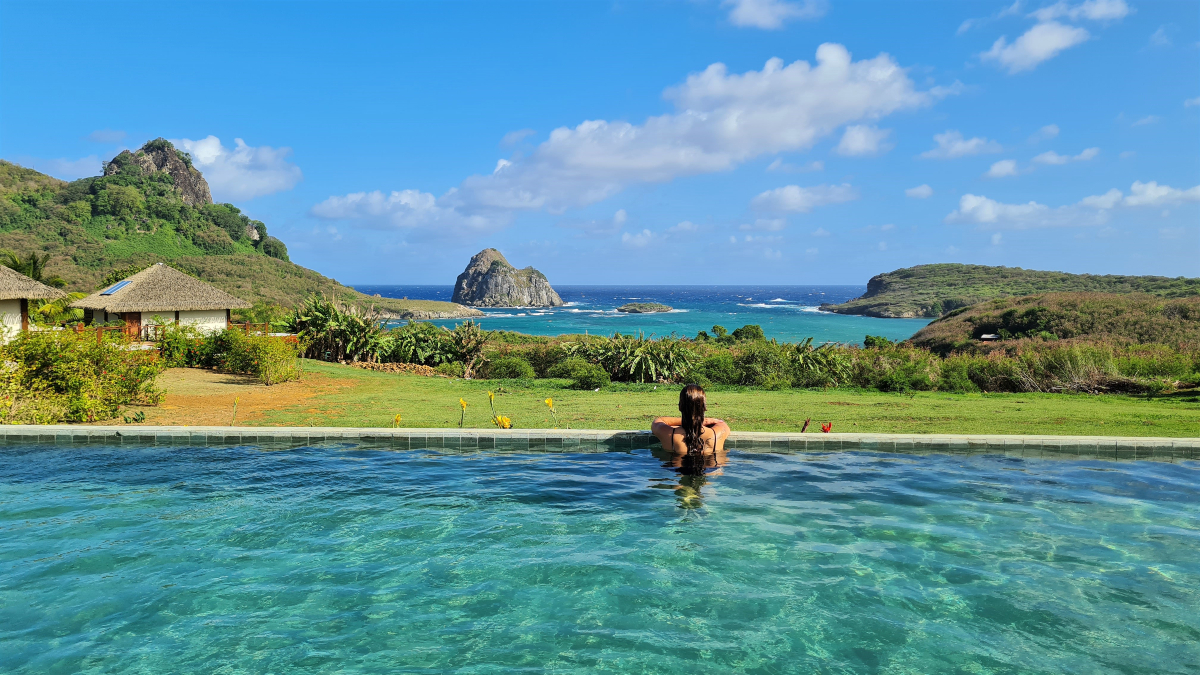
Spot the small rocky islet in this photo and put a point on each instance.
(491, 281)
(644, 308)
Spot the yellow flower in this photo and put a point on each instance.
(550, 403)
(491, 396)
(396, 420)
(462, 403)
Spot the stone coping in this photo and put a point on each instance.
(584, 440)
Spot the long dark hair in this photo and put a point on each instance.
(692, 407)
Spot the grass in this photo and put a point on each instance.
(345, 396)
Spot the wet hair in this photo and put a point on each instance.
(692, 407)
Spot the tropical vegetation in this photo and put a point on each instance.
(934, 290)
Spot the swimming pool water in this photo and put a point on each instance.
(322, 560)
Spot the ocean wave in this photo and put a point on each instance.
(763, 305)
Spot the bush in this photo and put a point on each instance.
(718, 369)
(876, 342)
(56, 376)
(543, 357)
(271, 359)
(509, 368)
(763, 362)
(749, 332)
(451, 369)
(583, 375)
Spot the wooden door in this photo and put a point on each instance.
(133, 324)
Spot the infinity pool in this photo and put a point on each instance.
(323, 560)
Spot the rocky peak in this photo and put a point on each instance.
(490, 281)
(160, 155)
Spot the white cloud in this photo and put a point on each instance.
(1153, 194)
(1105, 201)
(106, 136)
(243, 172)
(61, 168)
(811, 251)
(771, 14)
(951, 144)
(639, 239)
(1127, 154)
(1091, 210)
(515, 137)
(1043, 41)
(784, 167)
(996, 239)
(798, 199)
(920, 192)
(967, 25)
(405, 209)
(1094, 10)
(820, 232)
(983, 211)
(1052, 157)
(1191, 102)
(765, 224)
(862, 139)
(1148, 119)
(1045, 133)
(1159, 38)
(684, 226)
(721, 120)
(1005, 167)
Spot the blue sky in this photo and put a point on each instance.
(747, 141)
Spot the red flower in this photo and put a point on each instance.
(826, 426)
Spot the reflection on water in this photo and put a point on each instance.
(685, 483)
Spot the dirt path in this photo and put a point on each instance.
(197, 397)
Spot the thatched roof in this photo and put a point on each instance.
(159, 288)
(14, 286)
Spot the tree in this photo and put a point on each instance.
(32, 266)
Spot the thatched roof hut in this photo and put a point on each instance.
(17, 286)
(159, 288)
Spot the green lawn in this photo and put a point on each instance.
(363, 398)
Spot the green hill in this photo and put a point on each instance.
(934, 290)
(1132, 318)
(152, 206)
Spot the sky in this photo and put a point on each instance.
(688, 142)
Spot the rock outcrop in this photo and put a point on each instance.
(490, 281)
(160, 155)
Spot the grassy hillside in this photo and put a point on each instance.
(1136, 318)
(133, 218)
(934, 290)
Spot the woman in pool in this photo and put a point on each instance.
(695, 442)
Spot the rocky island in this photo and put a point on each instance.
(490, 281)
(644, 308)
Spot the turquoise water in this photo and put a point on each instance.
(788, 313)
(323, 560)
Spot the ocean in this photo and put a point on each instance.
(788, 313)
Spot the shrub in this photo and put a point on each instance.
(762, 362)
(718, 369)
(749, 332)
(583, 375)
(876, 342)
(543, 357)
(271, 359)
(67, 376)
(450, 369)
(509, 368)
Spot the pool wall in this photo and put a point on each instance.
(575, 440)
